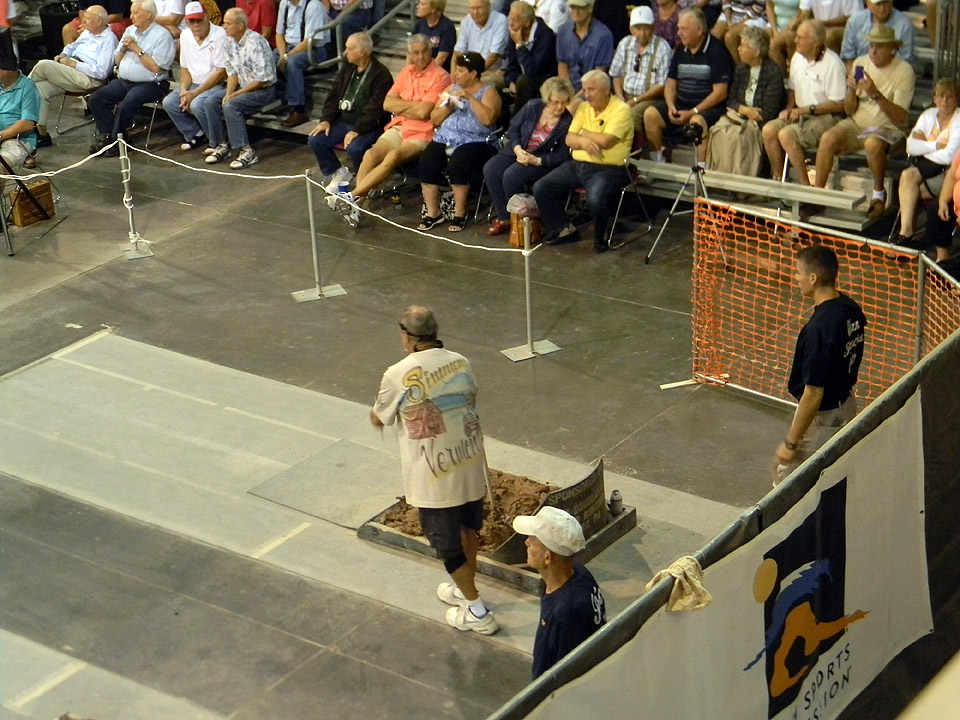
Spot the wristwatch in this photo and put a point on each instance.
(813, 109)
(141, 53)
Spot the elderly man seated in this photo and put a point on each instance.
(531, 53)
(83, 66)
(353, 111)
(879, 92)
(297, 22)
(814, 100)
(193, 107)
(483, 31)
(411, 100)
(144, 57)
(583, 44)
(640, 65)
(118, 19)
(877, 12)
(697, 84)
(251, 76)
(600, 137)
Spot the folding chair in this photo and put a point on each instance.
(63, 100)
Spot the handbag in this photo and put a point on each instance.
(735, 146)
(516, 230)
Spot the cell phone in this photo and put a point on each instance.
(858, 73)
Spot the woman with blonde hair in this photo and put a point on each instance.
(535, 147)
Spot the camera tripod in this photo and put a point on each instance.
(699, 188)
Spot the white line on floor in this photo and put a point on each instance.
(48, 683)
(274, 544)
(279, 423)
(138, 381)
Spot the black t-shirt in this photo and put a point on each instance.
(697, 74)
(568, 616)
(829, 351)
(443, 36)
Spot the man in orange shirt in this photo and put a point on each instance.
(410, 100)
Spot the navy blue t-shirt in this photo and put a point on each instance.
(443, 36)
(568, 616)
(697, 74)
(829, 351)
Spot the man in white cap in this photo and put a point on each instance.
(640, 65)
(194, 106)
(572, 606)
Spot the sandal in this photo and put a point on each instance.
(457, 223)
(428, 223)
(498, 227)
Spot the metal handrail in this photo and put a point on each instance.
(335, 25)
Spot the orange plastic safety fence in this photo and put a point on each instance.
(747, 309)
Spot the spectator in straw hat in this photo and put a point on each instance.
(194, 105)
(877, 105)
(877, 12)
(430, 395)
(826, 361)
(572, 606)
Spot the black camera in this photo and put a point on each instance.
(692, 133)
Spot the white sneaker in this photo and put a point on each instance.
(462, 619)
(245, 159)
(347, 205)
(450, 594)
(220, 152)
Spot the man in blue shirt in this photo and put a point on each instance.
(877, 12)
(572, 607)
(484, 31)
(696, 90)
(83, 66)
(143, 61)
(583, 44)
(19, 110)
(297, 21)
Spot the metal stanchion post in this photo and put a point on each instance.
(136, 247)
(316, 292)
(531, 349)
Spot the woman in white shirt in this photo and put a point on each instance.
(930, 148)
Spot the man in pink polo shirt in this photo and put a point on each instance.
(410, 100)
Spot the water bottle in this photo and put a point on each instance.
(616, 503)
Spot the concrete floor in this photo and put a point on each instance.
(91, 584)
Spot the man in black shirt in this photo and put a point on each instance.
(572, 606)
(825, 362)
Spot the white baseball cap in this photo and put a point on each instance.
(557, 529)
(641, 15)
(193, 11)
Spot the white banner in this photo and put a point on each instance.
(804, 616)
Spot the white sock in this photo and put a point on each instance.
(656, 156)
(477, 608)
(702, 164)
(880, 195)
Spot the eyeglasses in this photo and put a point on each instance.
(402, 328)
(636, 64)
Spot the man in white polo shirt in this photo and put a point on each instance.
(202, 82)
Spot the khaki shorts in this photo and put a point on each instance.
(808, 130)
(394, 138)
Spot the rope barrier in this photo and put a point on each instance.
(139, 247)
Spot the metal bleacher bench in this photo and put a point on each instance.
(654, 174)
